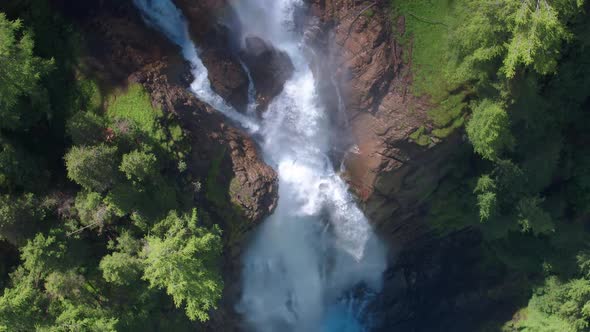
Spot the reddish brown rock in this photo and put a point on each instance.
(391, 175)
(395, 177)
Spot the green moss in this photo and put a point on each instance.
(223, 206)
(135, 105)
(446, 131)
(420, 137)
(234, 188)
(448, 110)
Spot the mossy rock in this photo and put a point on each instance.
(420, 137)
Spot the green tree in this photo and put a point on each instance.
(532, 217)
(86, 128)
(489, 130)
(184, 259)
(92, 211)
(22, 308)
(41, 256)
(19, 217)
(123, 267)
(486, 197)
(65, 285)
(19, 169)
(94, 168)
(569, 301)
(20, 71)
(83, 317)
(512, 33)
(139, 166)
(538, 29)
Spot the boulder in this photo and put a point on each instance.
(269, 68)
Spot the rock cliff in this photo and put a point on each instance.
(392, 175)
(119, 54)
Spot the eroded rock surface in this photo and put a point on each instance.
(160, 68)
(391, 175)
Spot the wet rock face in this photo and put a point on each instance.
(227, 76)
(270, 68)
(439, 286)
(254, 186)
(391, 175)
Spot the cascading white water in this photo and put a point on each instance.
(317, 245)
(252, 102)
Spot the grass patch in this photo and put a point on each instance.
(428, 24)
(163, 133)
(135, 105)
(427, 27)
(420, 137)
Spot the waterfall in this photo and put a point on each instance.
(317, 246)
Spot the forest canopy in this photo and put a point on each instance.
(520, 70)
(94, 209)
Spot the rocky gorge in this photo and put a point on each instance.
(366, 84)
